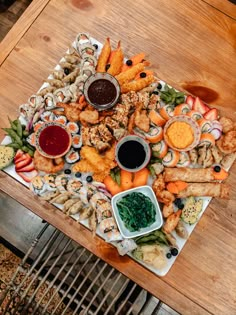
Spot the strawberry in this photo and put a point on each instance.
(199, 106)
(190, 101)
(26, 168)
(18, 155)
(27, 177)
(212, 114)
(20, 163)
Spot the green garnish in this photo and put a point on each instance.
(136, 211)
(171, 96)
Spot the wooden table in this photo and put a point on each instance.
(191, 44)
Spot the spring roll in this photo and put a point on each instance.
(205, 189)
(190, 175)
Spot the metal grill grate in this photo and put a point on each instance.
(66, 278)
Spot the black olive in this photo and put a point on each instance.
(107, 66)
(89, 179)
(159, 86)
(168, 255)
(66, 71)
(67, 171)
(95, 46)
(78, 174)
(129, 62)
(217, 168)
(181, 206)
(155, 92)
(174, 251)
(143, 75)
(178, 203)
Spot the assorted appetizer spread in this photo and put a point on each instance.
(71, 145)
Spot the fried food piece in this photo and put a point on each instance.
(186, 174)
(193, 156)
(103, 57)
(217, 155)
(47, 165)
(141, 119)
(131, 124)
(54, 82)
(130, 74)
(89, 117)
(228, 160)
(172, 221)
(71, 111)
(227, 124)
(158, 184)
(137, 85)
(167, 210)
(165, 197)
(116, 62)
(227, 143)
(205, 189)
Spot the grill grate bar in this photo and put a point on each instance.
(125, 300)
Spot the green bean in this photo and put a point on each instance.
(25, 133)
(14, 145)
(12, 123)
(14, 136)
(27, 150)
(19, 128)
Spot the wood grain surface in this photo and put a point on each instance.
(225, 6)
(192, 46)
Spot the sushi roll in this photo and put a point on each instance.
(159, 149)
(72, 127)
(74, 186)
(86, 48)
(50, 181)
(37, 185)
(194, 115)
(171, 158)
(103, 210)
(81, 38)
(76, 141)
(206, 139)
(31, 139)
(47, 116)
(88, 70)
(61, 182)
(72, 156)
(61, 119)
(36, 101)
(38, 124)
(88, 60)
(49, 100)
(63, 95)
(155, 134)
(156, 118)
(205, 125)
(107, 225)
(167, 112)
(184, 160)
(181, 109)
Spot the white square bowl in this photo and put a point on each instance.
(147, 191)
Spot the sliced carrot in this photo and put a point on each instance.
(148, 72)
(156, 118)
(176, 187)
(181, 185)
(135, 60)
(141, 177)
(223, 174)
(126, 180)
(111, 185)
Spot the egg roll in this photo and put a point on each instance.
(205, 189)
(190, 175)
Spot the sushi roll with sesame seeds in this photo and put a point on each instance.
(50, 181)
(72, 156)
(76, 141)
(72, 127)
(61, 119)
(37, 185)
(47, 116)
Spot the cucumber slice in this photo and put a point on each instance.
(6, 156)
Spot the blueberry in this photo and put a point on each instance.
(168, 255)
(95, 46)
(107, 66)
(67, 171)
(129, 62)
(155, 92)
(78, 174)
(66, 71)
(159, 86)
(143, 75)
(217, 168)
(174, 251)
(89, 179)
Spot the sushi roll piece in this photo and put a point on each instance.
(61, 119)
(49, 100)
(167, 112)
(206, 139)
(156, 118)
(61, 182)
(72, 127)
(88, 71)
(103, 210)
(86, 48)
(154, 134)
(171, 158)
(184, 160)
(76, 141)
(159, 149)
(47, 116)
(36, 101)
(50, 181)
(74, 185)
(108, 225)
(72, 156)
(113, 236)
(81, 38)
(31, 139)
(181, 109)
(88, 60)
(38, 124)
(205, 125)
(194, 115)
(37, 185)
(63, 95)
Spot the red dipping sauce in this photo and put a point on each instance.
(54, 140)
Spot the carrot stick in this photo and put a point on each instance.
(111, 185)
(141, 177)
(126, 180)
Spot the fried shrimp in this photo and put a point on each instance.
(47, 165)
(130, 74)
(117, 61)
(103, 57)
(71, 111)
(137, 85)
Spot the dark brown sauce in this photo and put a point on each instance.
(102, 92)
(206, 94)
(131, 154)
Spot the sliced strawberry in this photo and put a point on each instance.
(199, 106)
(212, 114)
(27, 177)
(21, 163)
(190, 101)
(26, 168)
(18, 155)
